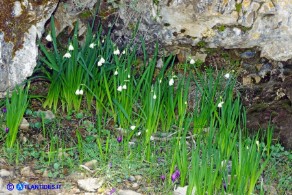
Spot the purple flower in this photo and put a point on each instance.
(175, 175)
(6, 129)
(119, 139)
(112, 191)
(110, 165)
(162, 177)
(4, 110)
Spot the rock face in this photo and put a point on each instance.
(265, 24)
(20, 24)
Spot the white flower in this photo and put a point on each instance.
(117, 52)
(67, 55)
(49, 38)
(186, 102)
(132, 127)
(258, 143)
(171, 81)
(139, 133)
(160, 80)
(116, 72)
(102, 40)
(92, 45)
(129, 76)
(220, 104)
(79, 92)
(70, 48)
(120, 88)
(124, 86)
(227, 76)
(247, 147)
(151, 138)
(154, 96)
(192, 61)
(101, 61)
(124, 52)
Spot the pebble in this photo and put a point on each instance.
(91, 164)
(27, 172)
(24, 125)
(135, 186)
(90, 184)
(5, 173)
(132, 178)
(247, 54)
(128, 192)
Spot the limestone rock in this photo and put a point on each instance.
(90, 184)
(21, 23)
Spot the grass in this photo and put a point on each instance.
(134, 121)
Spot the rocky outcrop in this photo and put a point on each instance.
(21, 22)
(262, 24)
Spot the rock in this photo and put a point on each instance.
(246, 80)
(21, 23)
(91, 164)
(5, 173)
(127, 192)
(76, 176)
(131, 178)
(27, 172)
(138, 177)
(135, 186)
(49, 115)
(265, 69)
(24, 125)
(248, 55)
(90, 184)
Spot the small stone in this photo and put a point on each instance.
(24, 125)
(248, 55)
(246, 80)
(45, 173)
(132, 178)
(135, 186)
(76, 176)
(91, 164)
(138, 177)
(159, 63)
(5, 173)
(49, 115)
(128, 192)
(27, 172)
(90, 184)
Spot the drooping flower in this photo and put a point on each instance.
(175, 175)
(154, 96)
(110, 165)
(6, 129)
(92, 45)
(139, 133)
(227, 76)
(162, 177)
(129, 76)
(117, 52)
(192, 61)
(49, 38)
(79, 92)
(132, 127)
(119, 139)
(70, 48)
(124, 86)
(124, 52)
(67, 55)
(116, 72)
(120, 88)
(112, 191)
(171, 82)
(101, 61)
(220, 104)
